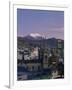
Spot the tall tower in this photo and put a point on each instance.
(60, 47)
(45, 59)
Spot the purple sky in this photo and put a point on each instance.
(45, 22)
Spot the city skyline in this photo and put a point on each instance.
(44, 22)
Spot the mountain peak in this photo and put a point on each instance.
(35, 35)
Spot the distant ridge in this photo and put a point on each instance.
(38, 40)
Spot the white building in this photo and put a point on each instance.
(19, 55)
(34, 53)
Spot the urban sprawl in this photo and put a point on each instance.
(36, 62)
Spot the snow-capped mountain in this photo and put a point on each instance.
(33, 36)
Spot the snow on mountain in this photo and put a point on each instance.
(35, 35)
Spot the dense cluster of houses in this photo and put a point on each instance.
(36, 58)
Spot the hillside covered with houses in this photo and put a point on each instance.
(40, 58)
